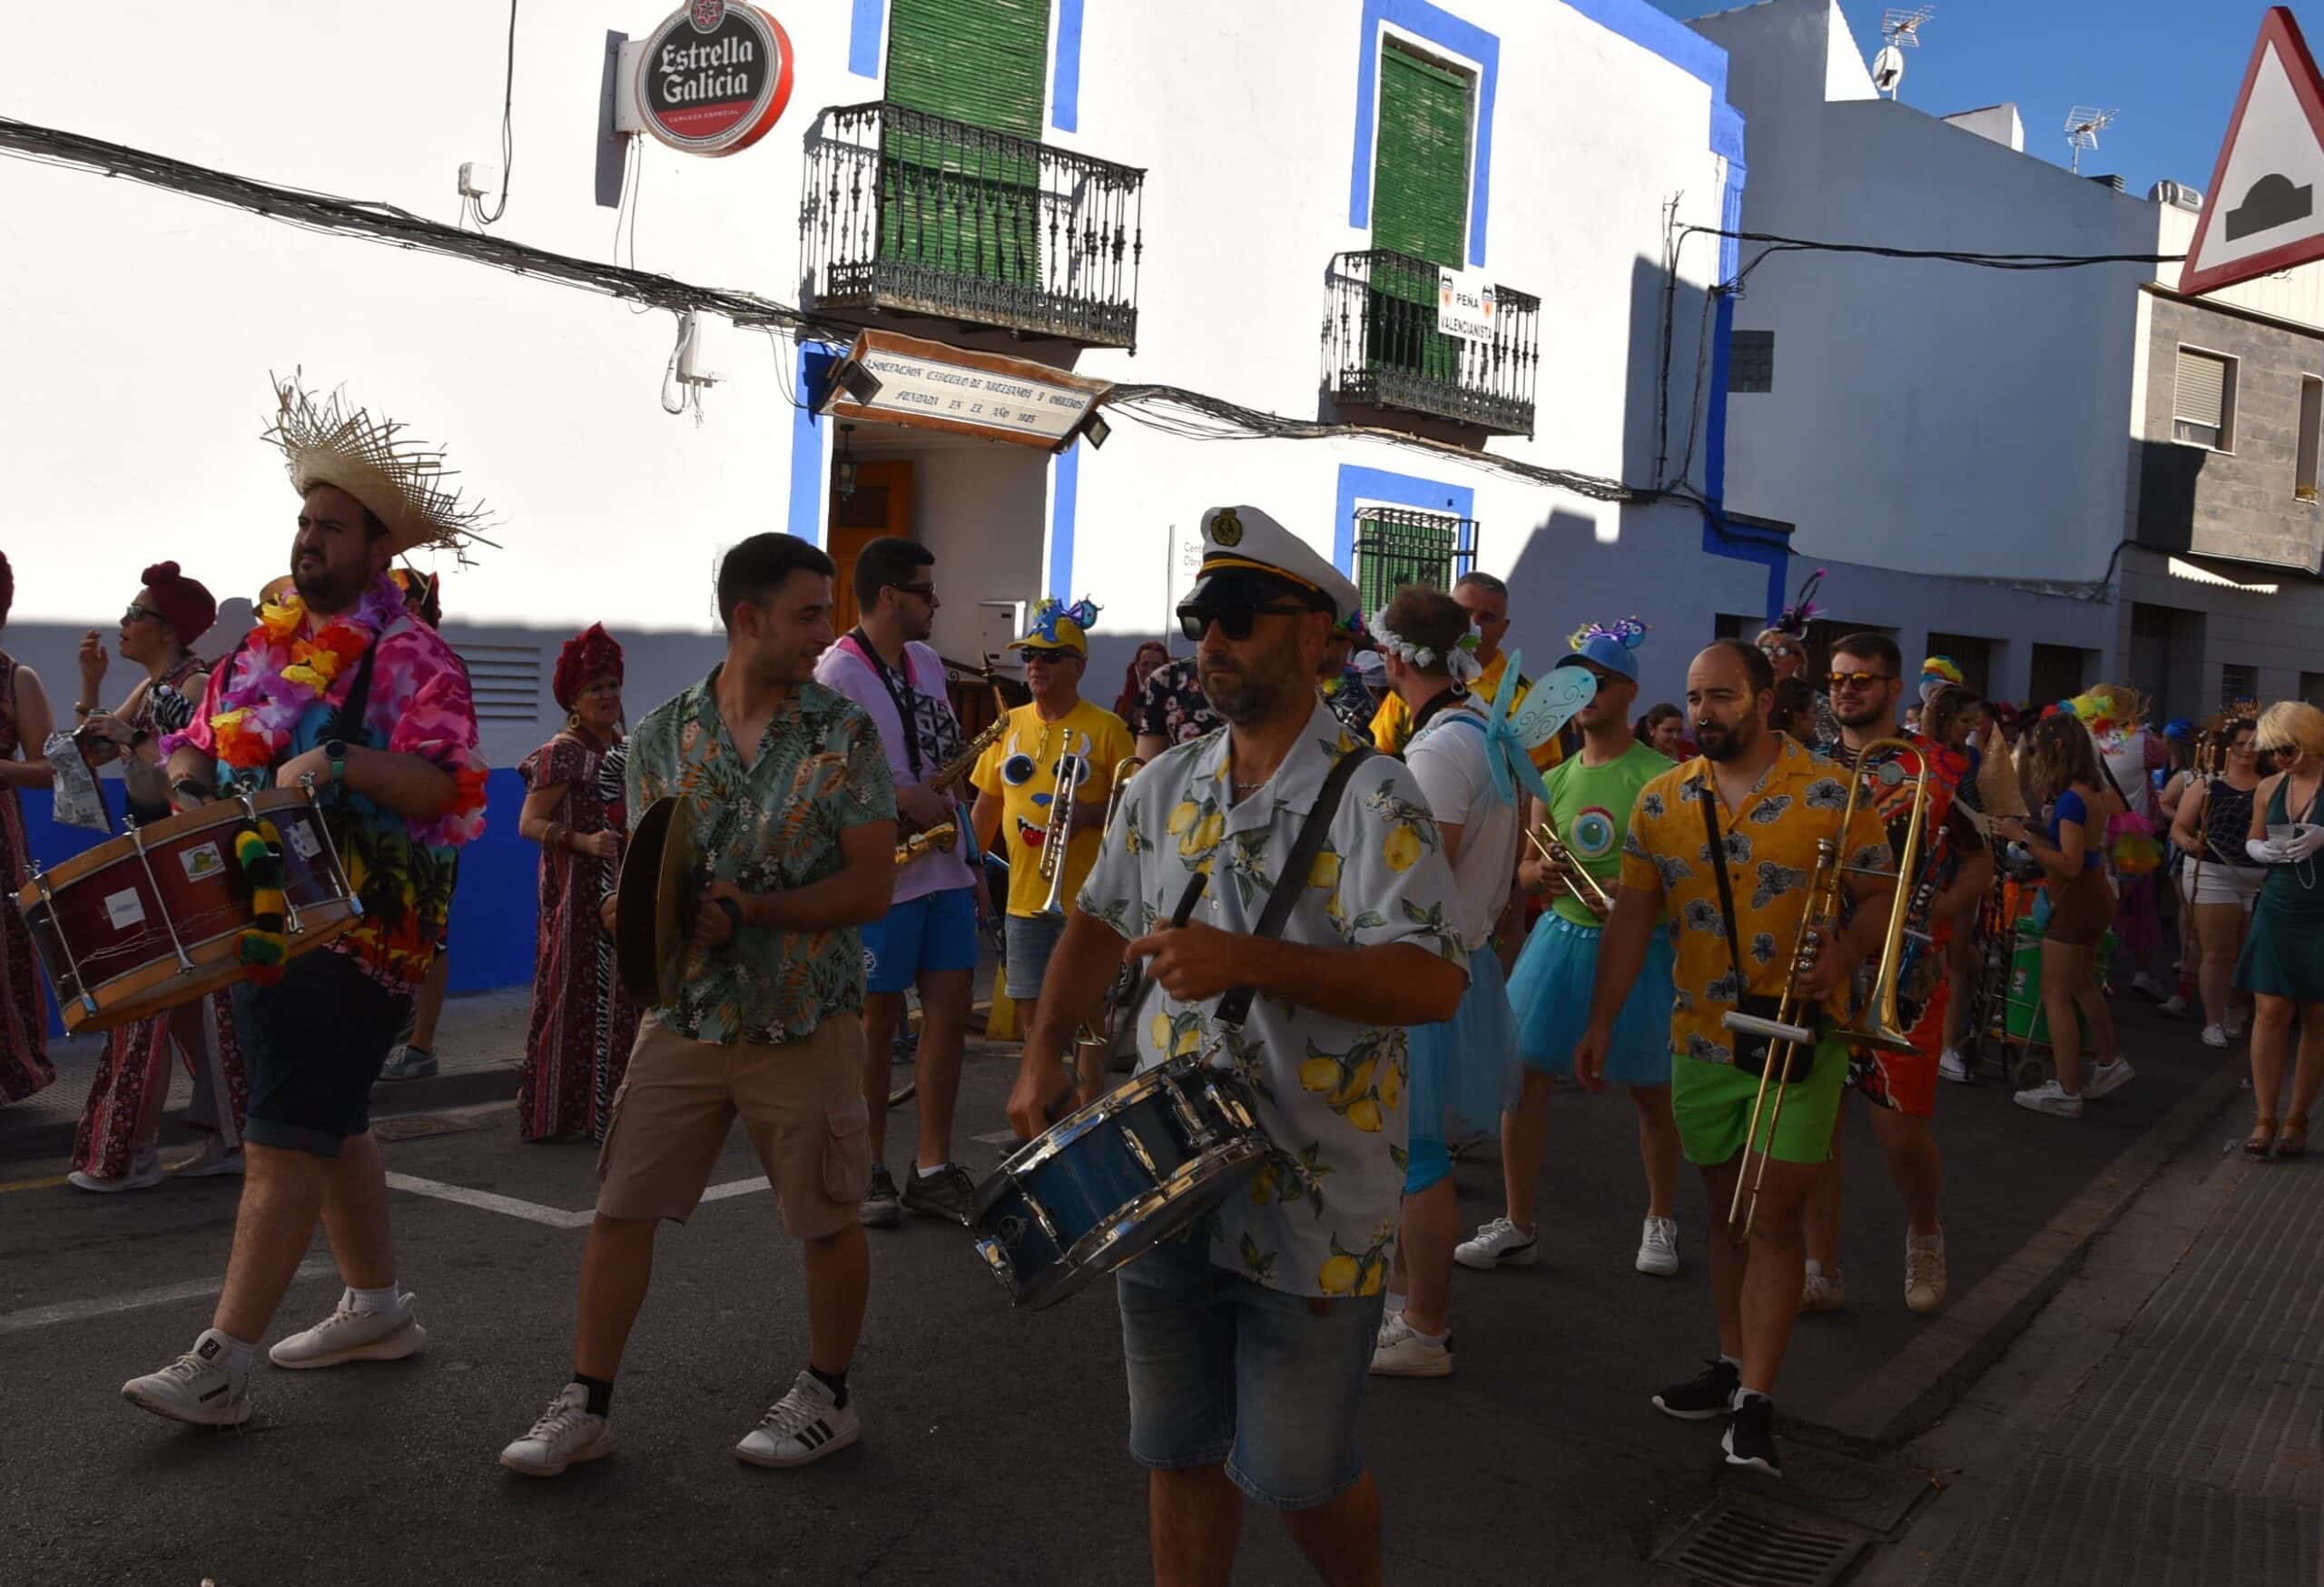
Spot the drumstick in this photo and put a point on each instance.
(1063, 1103)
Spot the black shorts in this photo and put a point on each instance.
(313, 1043)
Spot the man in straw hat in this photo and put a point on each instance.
(340, 686)
(1249, 1342)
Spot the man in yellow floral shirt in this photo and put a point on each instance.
(1772, 804)
(1249, 1342)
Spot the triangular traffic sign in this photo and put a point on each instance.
(2264, 211)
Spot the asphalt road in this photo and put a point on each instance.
(993, 1447)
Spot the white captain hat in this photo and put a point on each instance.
(1248, 559)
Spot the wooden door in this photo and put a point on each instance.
(882, 505)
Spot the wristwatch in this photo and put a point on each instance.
(335, 752)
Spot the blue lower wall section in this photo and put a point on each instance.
(495, 913)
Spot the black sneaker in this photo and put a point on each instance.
(1751, 1438)
(881, 1206)
(1709, 1393)
(947, 1193)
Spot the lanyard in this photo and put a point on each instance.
(899, 693)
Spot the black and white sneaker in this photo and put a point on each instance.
(880, 1208)
(1751, 1438)
(948, 1192)
(1708, 1395)
(802, 1426)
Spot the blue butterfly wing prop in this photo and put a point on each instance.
(1549, 705)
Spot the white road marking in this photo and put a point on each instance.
(997, 1137)
(74, 1311)
(533, 1211)
(735, 1188)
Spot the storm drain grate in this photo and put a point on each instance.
(1737, 1543)
(1874, 1497)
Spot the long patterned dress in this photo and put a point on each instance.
(583, 1024)
(23, 1015)
(137, 1056)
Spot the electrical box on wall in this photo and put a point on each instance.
(628, 118)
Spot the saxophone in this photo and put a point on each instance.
(951, 771)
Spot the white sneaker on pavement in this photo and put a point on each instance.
(2238, 1020)
(565, 1435)
(803, 1425)
(1657, 1247)
(2214, 1036)
(2174, 1005)
(213, 1160)
(348, 1334)
(2101, 1077)
(1952, 1066)
(1401, 1353)
(1822, 1291)
(1498, 1244)
(144, 1173)
(196, 1387)
(1924, 1272)
(2049, 1098)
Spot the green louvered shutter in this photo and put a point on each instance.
(957, 203)
(1420, 206)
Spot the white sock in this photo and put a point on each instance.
(929, 1173)
(237, 1357)
(362, 1301)
(1734, 1361)
(1395, 1303)
(1748, 1392)
(1430, 1338)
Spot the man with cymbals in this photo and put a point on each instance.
(1248, 1341)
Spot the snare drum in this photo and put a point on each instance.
(154, 918)
(1135, 1166)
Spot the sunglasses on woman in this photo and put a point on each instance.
(1235, 622)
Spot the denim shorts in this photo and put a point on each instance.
(1031, 940)
(1221, 1369)
(314, 1042)
(935, 932)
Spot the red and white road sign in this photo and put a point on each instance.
(2264, 211)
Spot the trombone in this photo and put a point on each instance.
(1551, 847)
(1789, 1031)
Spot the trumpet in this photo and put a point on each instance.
(1789, 1030)
(940, 837)
(1586, 889)
(1059, 835)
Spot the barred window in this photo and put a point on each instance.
(1399, 546)
(1751, 362)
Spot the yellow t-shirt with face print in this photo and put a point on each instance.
(1021, 766)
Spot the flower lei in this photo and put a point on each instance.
(1460, 661)
(281, 673)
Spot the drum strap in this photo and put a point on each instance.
(1291, 881)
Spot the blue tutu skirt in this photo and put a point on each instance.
(1464, 1068)
(1550, 993)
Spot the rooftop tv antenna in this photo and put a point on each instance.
(1900, 28)
(2084, 123)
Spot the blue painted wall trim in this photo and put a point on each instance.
(864, 29)
(1360, 484)
(816, 361)
(867, 57)
(1448, 32)
(1065, 505)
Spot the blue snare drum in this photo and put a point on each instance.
(1108, 1182)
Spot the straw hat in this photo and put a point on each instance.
(401, 481)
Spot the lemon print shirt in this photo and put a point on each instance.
(1320, 1218)
(1021, 766)
(1771, 842)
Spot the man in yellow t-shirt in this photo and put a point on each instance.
(1486, 600)
(1015, 783)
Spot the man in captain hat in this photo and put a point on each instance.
(1249, 1342)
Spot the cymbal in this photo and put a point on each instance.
(654, 902)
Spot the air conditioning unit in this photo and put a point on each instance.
(2177, 194)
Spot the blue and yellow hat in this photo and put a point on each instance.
(1058, 626)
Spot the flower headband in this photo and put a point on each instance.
(1460, 661)
(1629, 633)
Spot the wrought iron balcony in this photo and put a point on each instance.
(907, 212)
(1382, 347)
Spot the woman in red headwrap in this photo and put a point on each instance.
(24, 725)
(577, 1047)
(116, 1146)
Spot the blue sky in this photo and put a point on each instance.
(2172, 67)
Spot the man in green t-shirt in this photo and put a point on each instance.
(1590, 798)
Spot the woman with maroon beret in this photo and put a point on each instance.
(577, 1047)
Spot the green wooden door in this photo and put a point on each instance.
(965, 200)
(1420, 207)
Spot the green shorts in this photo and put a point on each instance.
(1712, 1103)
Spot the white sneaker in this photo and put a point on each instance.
(196, 1387)
(1822, 1291)
(2237, 1021)
(348, 1334)
(2174, 1005)
(1924, 1272)
(565, 1435)
(144, 1173)
(1401, 1353)
(2103, 1078)
(1952, 1066)
(213, 1160)
(2215, 1036)
(803, 1425)
(1498, 1244)
(2048, 1098)
(1657, 1247)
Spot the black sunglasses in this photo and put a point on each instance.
(924, 591)
(137, 611)
(1234, 622)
